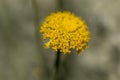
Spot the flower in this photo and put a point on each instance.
(65, 31)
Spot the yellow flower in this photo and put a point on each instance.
(65, 31)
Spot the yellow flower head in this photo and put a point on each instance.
(64, 32)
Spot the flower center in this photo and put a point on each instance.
(70, 28)
(69, 25)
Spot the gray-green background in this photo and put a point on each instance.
(23, 57)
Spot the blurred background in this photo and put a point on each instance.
(23, 57)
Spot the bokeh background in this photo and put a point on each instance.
(23, 57)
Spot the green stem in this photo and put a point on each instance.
(57, 65)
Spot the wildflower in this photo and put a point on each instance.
(65, 31)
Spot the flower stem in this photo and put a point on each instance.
(57, 65)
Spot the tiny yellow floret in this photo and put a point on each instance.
(65, 31)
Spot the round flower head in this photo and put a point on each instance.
(64, 32)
